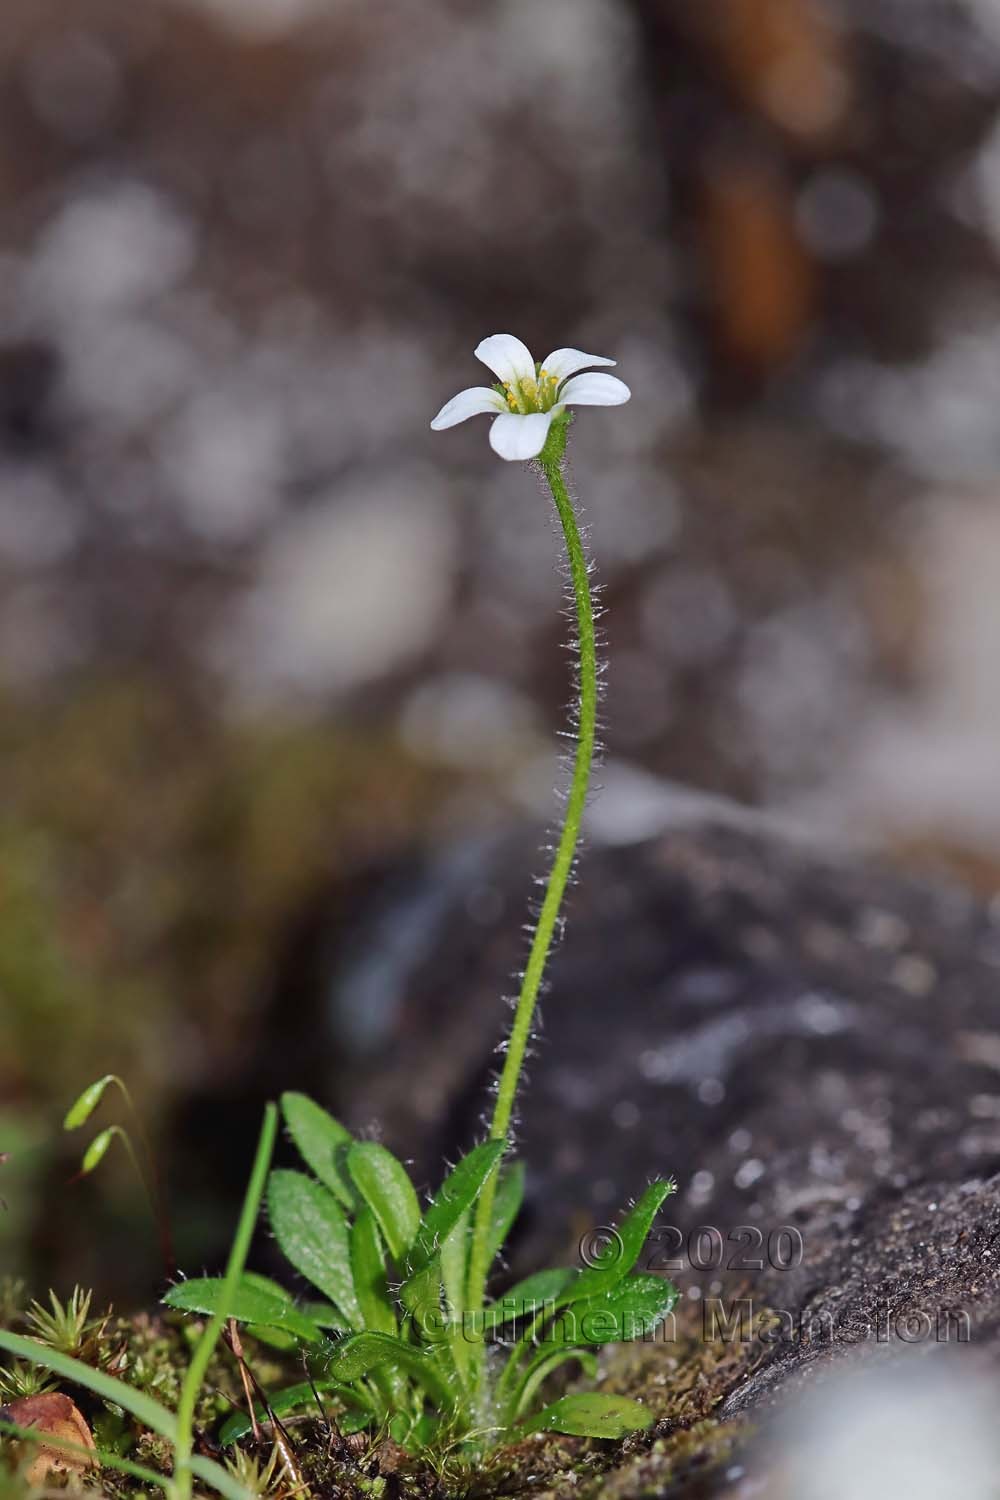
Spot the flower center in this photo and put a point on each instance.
(534, 393)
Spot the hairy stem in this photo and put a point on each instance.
(551, 463)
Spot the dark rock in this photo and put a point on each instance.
(809, 1043)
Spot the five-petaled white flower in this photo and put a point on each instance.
(529, 397)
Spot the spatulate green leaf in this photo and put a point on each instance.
(454, 1262)
(454, 1265)
(368, 1270)
(310, 1227)
(421, 1295)
(633, 1309)
(592, 1415)
(539, 1371)
(385, 1186)
(456, 1195)
(249, 1304)
(631, 1236)
(367, 1351)
(324, 1315)
(322, 1142)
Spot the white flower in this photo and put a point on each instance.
(529, 397)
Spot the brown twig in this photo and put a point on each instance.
(282, 1440)
(236, 1345)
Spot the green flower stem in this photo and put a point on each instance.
(551, 464)
(195, 1375)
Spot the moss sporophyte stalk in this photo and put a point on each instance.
(397, 1334)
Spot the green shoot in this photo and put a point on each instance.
(184, 1436)
(67, 1328)
(22, 1380)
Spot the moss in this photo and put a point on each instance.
(683, 1382)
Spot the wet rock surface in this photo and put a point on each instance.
(810, 1043)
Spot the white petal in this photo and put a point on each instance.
(507, 357)
(514, 436)
(478, 398)
(562, 363)
(594, 390)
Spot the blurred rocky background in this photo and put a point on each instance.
(264, 637)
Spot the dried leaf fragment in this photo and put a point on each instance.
(57, 1417)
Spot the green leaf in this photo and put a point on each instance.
(368, 1270)
(324, 1315)
(425, 1433)
(194, 1375)
(633, 1309)
(454, 1262)
(506, 1206)
(421, 1295)
(591, 1415)
(81, 1110)
(385, 1186)
(540, 1370)
(457, 1193)
(454, 1267)
(367, 1351)
(443, 1237)
(322, 1142)
(249, 1304)
(528, 1297)
(631, 1237)
(290, 1399)
(274, 1338)
(268, 1284)
(311, 1229)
